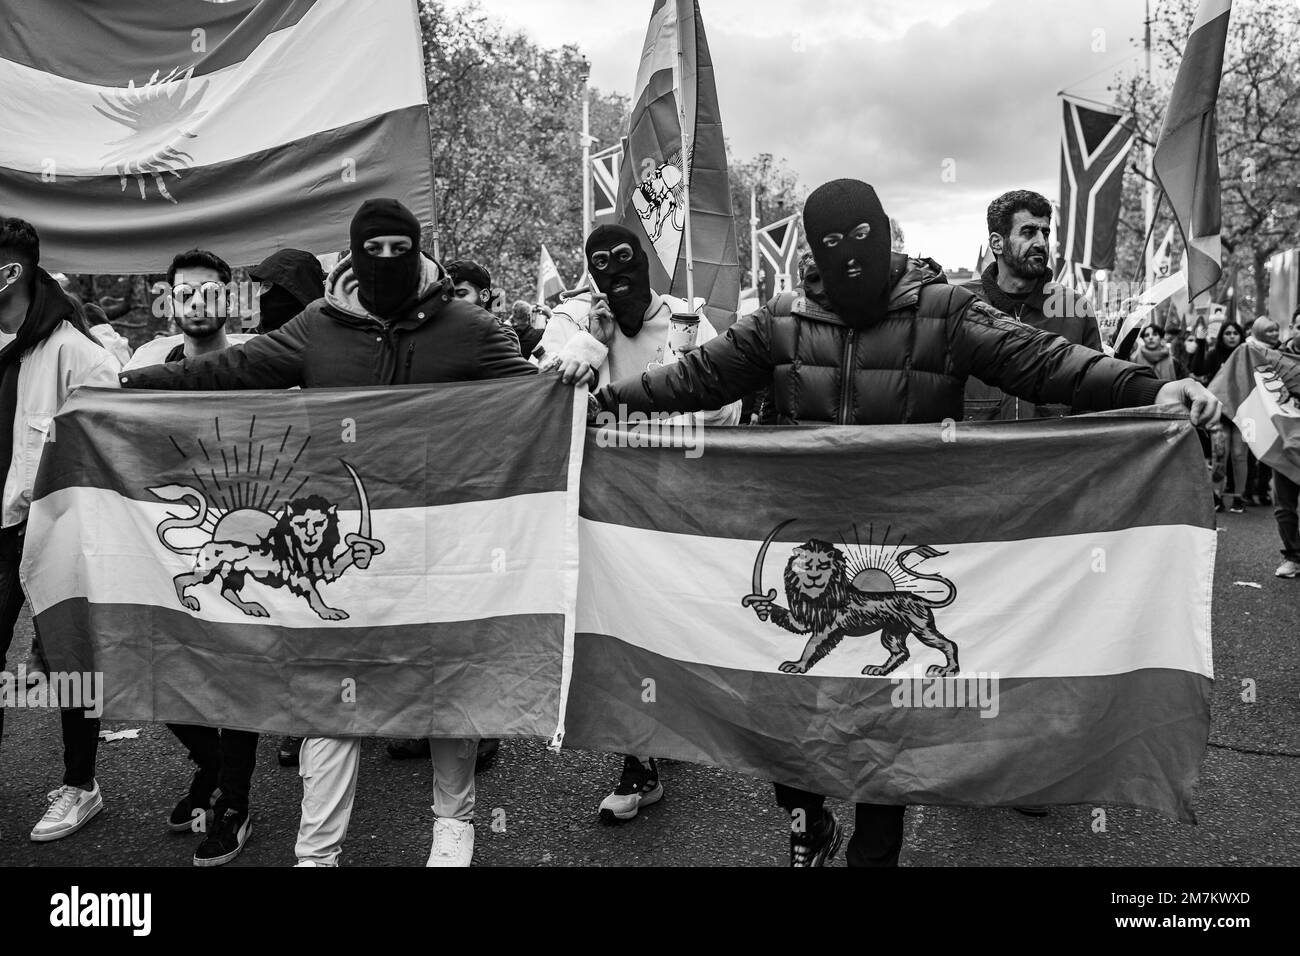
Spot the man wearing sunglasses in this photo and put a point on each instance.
(622, 330)
(196, 297)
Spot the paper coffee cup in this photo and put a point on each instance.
(683, 330)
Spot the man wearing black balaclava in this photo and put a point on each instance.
(623, 328)
(882, 339)
(291, 280)
(388, 317)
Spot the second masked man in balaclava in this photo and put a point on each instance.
(622, 330)
(880, 339)
(388, 317)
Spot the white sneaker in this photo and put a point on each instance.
(1288, 569)
(453, 843)
(71, 808)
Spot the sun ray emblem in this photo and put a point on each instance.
(158, 114)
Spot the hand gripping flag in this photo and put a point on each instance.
(328, 562)
(824, 611)
(130, 128)
(654, 175)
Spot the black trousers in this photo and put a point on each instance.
(877, 828)
(80, 733)
(1286, 497)
(225, 759)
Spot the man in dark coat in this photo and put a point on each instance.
(886, 341)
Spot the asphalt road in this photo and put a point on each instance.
(1247, 807)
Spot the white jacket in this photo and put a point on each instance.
(49, 373)
(154, 352)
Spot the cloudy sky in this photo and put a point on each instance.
(895, 92)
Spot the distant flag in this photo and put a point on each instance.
(653, 175)
(1094, 145)
(1163, 256)
(604, 177)
(778, 244)
(1284, 286)
(1186, 156)
(1260, 392)
(983, 259)
(240, 123)
(548, 277)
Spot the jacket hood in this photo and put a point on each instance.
(341, 292)
(295, 271)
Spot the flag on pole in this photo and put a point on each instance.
(245, 562)
(1260, 392)
(778, 244)
(653, 173)
(1186, 157)
(1163, 258)
(1284, 287)
(757, 599)
(604, 176)
(983, 259)
(1094, 145)
(548, 277)
(133, 128)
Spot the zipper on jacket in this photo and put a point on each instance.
(846, 385)
(410, 356)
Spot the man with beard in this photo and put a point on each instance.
(885, 341)
(198, 301)
(1017, 283)
(621, 330)
(388, 317)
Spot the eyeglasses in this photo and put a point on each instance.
(600, 261)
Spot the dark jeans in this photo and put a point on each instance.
(1286, 496)
(80, 733)
(877, 829)
(1257, 477)
(225, 759)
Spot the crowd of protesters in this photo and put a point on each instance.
(872, 336)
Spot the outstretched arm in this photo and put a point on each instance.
(274, 360)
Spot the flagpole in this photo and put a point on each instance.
(1149, 193)
(686, 162)
(753, 237)
(586, 150)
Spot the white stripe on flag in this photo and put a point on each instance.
(456, 562)
(320, 74)
(1069, 606)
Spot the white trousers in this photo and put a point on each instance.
(328, 767)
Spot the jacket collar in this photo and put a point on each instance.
(343, 300)
(906, 276)
(994, 295)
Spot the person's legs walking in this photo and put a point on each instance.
(1286, 499)
(877, 835)
(815, 834)
(453, 762)
(328, 767)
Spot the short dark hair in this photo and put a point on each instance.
(198, 259)
(1151, 325)
(19, 239)
(1003, 209)
(467, 270)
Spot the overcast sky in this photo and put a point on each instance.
(888, 91)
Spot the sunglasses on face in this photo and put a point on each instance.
(622, 253)
(208, 291)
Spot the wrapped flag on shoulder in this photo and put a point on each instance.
(317, 563)
(891, 616)
(1260, 392)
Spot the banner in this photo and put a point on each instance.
(779, 246)
(548, 277)
(134, 129)
(878, 615)
(1187, 157)
(326, 562)
(1260, 392)
(676, 76)
(604, 178)
(1094, 145)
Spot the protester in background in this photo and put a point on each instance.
(473, 282)
(1018, 283)
(1265, 334)
(888, 343)
(1156, 355)
(290, 281)
(385, 285)
(1205, 366)
(49, 353)
(623, 329)
(1207, 362)
(529, 322)
(198, 301)
(107, 336)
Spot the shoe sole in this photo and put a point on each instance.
(1287, 577)
(610, 818)
(223, 860)
(51, 837)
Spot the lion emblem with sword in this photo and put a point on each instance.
(294, 549)
(829, 604)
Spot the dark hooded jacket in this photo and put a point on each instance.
(1050, 307)
(297, 272)
(335, 342)
(910, 367)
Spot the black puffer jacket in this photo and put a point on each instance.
(911, 367)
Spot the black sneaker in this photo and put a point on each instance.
(638, 787)
(226, 840)
(409, 749)
(817, 849)
(288, 751)
(1218, 504)
(203, 793)
(487, 754)
(1236, 508)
